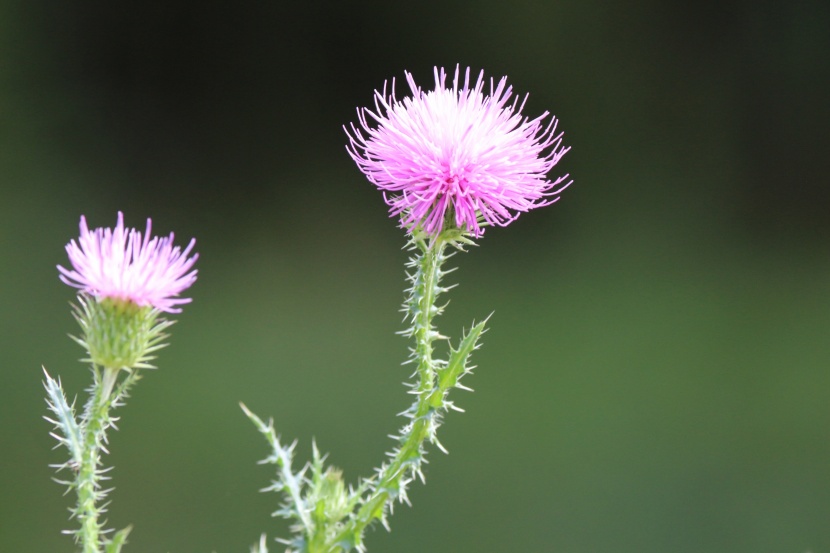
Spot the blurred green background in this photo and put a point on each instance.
(656, 374)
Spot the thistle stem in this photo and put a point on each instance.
(94, 434)
(390, 482)
(329, 520)
(96, 421)
(422, 309)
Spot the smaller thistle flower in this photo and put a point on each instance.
(456, 157)
(120, 264)
(126, 281)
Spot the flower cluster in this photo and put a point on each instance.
(457, 157)
(121, 264)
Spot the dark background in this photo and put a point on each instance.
(656, 375)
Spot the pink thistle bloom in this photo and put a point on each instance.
(456, 152)
(122, 264)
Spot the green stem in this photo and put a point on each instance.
(430, 267)
(330, 520)
(283, 457)
(95, 424)
(393, 477)
(94, 429)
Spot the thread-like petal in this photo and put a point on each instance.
(125, 264)
(456, 151)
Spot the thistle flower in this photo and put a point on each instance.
(120, 264)
(126, 281)
(457, 156)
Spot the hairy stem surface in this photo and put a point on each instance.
(96, 421)
(326, 517)
(435, 377)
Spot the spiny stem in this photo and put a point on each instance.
(282, 457)
(96, 421)
(430, 266)
(331, 520)
(87, 510)
(393, 477)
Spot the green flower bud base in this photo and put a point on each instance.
(119, 334)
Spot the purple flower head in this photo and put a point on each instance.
(456, 154)
(122, 264)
